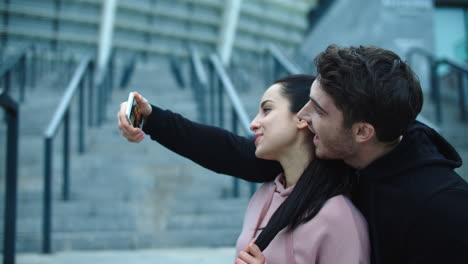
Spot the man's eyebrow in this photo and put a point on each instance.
(264, 102)
(318, 105)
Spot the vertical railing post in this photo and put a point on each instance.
(22, 77)
(220, 103)
(100, 98)
(436, 92)
(81, 122)
(107, 92)
(6, 16)
(33, 67)
(212, 94)
(56, 24)
(47, 207)
(235, 180)
(9, 240)
(66, 157)
(202, 91)
(90, 95)
(111, 71)
(7, 81)
(265, 66)
(461, 95)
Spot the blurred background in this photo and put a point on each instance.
(69, 182)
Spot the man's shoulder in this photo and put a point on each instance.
(431, 178)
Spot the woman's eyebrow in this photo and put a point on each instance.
(266, 101)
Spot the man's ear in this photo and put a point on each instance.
(363, 132)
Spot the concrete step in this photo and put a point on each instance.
(177, 255)
(206, 221)
(190, 206)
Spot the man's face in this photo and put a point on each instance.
(325, 120)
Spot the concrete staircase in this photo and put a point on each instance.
(123, 195)
(153, 28)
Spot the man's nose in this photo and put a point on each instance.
(303, 112)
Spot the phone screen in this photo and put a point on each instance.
(133, 115)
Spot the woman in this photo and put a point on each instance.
(303, 216)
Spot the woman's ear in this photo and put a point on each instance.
(301, 124)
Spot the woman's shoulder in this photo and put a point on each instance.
(339, 208)
(338, 214)
(338, 227)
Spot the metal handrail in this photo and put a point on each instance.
(462, 69)
(12, 115)
(62, 115)
(276, 63)
(18, 60)
(283, 61)
(220, 77)
(238, 107)
(199, 83)
(105, 84)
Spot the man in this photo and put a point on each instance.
(362, 110)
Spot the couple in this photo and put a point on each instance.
(361, 109)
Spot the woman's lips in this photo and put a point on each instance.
(257, 137)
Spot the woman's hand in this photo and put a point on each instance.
(133, 134)
(251, 255)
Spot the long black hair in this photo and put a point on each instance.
(320, 181)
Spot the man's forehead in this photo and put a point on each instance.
(319, 96)
(316, 91)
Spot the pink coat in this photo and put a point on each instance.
(337, 234)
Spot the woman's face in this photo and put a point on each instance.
(275, 126)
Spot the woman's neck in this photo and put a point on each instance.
(295, 161)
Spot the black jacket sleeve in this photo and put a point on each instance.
(441, 233)
(211, 147)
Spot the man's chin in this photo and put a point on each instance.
(323, 156)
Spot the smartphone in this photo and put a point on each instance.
(133, 115)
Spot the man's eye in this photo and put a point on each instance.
(266, 110)
(318, 111)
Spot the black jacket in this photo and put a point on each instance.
(415, 204)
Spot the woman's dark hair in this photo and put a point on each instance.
(320, 181)
(296, 89)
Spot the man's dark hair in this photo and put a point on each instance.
(370, 84)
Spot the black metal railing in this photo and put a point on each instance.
(220, 85)
(127, 72)
(12, 115)
(435, 89)
(83, 74)
(105, 84)
(199, 84)
(277, 64)
(16, 67)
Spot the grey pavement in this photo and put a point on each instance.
(143, 256)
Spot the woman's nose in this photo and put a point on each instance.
(254, 125)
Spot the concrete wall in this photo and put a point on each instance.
(396, 25)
